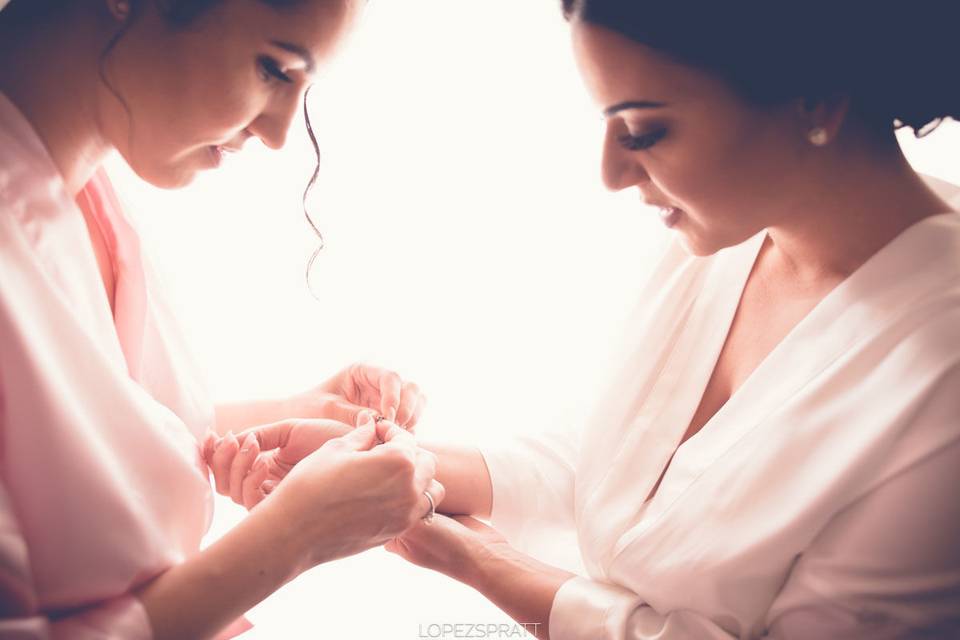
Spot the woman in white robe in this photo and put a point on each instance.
(779, 453)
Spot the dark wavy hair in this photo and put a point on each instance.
(180, 14)
(894, 59)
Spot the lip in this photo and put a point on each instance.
(670, 216)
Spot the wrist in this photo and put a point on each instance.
(502, 564)
(520, 585)
(486, 564)
(311, 529)
(295, 543)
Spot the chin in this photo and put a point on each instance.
(697, 246)
(166, 177)
(705, 240)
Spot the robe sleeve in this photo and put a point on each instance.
(888, 566)
(534, 477)
(533, 483)
(122, 618)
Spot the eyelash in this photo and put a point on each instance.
(641, 142)
(269, 70)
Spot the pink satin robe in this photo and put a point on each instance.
(101, 482)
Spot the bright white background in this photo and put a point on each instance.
(470, 246)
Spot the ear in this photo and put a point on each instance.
(821, 119)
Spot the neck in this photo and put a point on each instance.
(51, 73)
(852, 208)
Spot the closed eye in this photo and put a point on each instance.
(269, 69)
(641, 142)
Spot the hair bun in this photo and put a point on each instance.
(895, 58)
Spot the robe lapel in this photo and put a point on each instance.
(130, 304)
(661, 391)
(913, 268)
(51, 226)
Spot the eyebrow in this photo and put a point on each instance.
(632, 104)
(298, 50)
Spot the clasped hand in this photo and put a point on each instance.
(248, 465)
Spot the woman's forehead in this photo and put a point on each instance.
(312, 28)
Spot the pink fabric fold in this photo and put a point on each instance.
(100, 200)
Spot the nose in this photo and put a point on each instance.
(621, 167)
(273, 123)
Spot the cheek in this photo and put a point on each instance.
(724, 183)
(207, 108)
(183, 104)
(698, 178)
(725, 175)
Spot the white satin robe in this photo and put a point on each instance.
(102, 485)
(822, 501)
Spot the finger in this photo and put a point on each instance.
(437, 492)
(426, 469)
(207, 445)
(415, 420)
(222, 459)
(399, 547)
(368, 384)
(388, 432)
(242, 464)
(252, 491)
(390, 387)
(340, 409)
(360, 439)
(270, 436)
(409, 399)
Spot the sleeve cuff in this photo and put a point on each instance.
(122, 617)
(508, 480)
(587, 610)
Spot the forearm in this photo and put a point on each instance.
(463, 473)
(521, 586)
(199, 597)
(237, 416)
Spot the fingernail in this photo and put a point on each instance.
(364, 418)
(247, 443)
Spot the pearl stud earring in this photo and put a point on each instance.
(818, 137)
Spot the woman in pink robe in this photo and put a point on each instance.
(104, 493)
